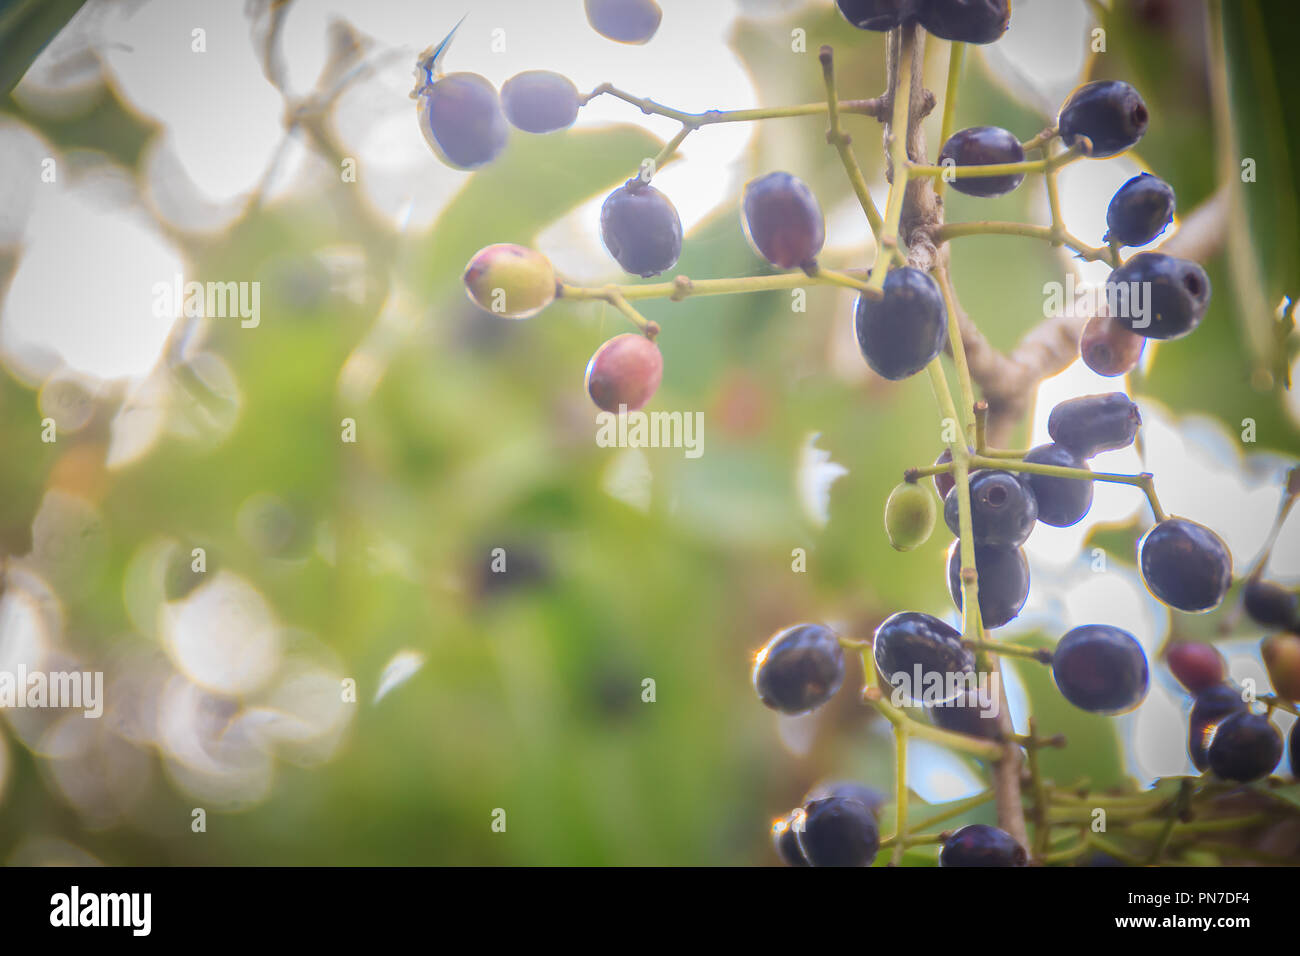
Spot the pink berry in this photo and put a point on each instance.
(1198, 667)
(625, 371)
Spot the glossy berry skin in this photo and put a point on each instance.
(1061, 501)
(1176, 295)
(838, 831)
(908, 640)
(1101, 669)
(1139, 211)
(641, 229)
(512, 281)
(1295, 749)
(1003, 581)
(1210, 708)
(910, 515)
(624, 21)
(783, 220)
(979, 844)
(1185, 564)
(901, 333)
(1281, 653)
(1092, 424)
(1197, 666)
(965, 21)
(799, 669)
(869, 797)
(1109, 348)
(462, 121)
(539, 101)
(879, 15)
(1110, 113)
(1245, 747)
(1003, 509)
(625, 372)
(965, 715)
(1271, 605)
(983, 146)
(785, 840)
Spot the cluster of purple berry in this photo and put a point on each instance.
(902, 326)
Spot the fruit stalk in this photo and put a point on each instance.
(836, 136)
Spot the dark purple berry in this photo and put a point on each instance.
(1245, 747)
(539, 101)
(799, 669)
(1108, 347)
(1295, 749)
(966, 21)
(462, 121)
(902, 332)
(1139, 211)
(979, 844)
(1158, 296)
(1061, 501)
(641, 229)
(914, 650)
(838, 831)
(626, 21)
(983, 146)
(783, 220)
(785, 839)
(1185, 564)
(1110, 113)
(880, 15)
(1209, 709)
(967, 715)
(1101, 669)
(944, 481)
(1271, 605)
(1197, 666)
(1003, 509)
(1003, 575)
(869, 797)
(1092, 424)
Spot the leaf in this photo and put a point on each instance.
(26, 27)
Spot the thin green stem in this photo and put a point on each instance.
(1041, 655)
(836, 136)
(1145, 481)
(1046, 165)
(649, 169)
(900, 791)
(614, 298)
(887, 249)
(1042, 831)
(964, 382)
(914, 728)
(1053, 234)
(713, 117)
(681, 287)
(956, 56)
(956, 809)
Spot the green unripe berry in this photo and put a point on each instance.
(511, 281)
(910, 515)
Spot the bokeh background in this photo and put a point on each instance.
(368, 561)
